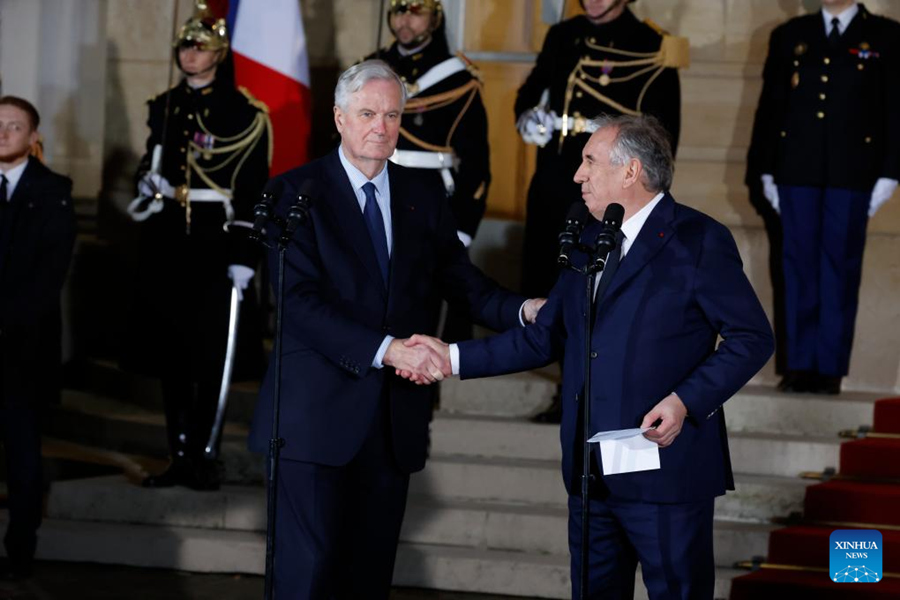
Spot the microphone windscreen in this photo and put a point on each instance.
(307, 187)
(614, 215)
(577, 212)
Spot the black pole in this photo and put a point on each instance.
(586, 431)
(275, 443)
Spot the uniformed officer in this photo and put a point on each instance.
(207, 160)
(444, 124)
(826, 147)
(604, 61)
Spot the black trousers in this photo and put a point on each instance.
(337, 527)
(20, 427)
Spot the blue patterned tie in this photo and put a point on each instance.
(375, 223)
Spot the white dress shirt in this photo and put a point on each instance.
(12, 178)
(843, 18)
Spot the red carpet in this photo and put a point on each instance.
(887, 416)
(845, 502)
(769, 584)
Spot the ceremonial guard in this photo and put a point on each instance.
(826, 150)
(207, 161)
(604, 61)
(444, 124)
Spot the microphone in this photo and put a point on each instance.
(568, 237)
(298, 212)
(262, 212)
(606, 239)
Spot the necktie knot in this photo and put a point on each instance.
(835, 35)
(369, 189)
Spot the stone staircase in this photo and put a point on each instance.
(488, 513)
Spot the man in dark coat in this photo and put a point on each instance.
(207, 161)
(367, 270)
(445, 125)
(37, 234)
(826, 151)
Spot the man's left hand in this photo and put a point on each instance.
(672, 411)
(531, 308)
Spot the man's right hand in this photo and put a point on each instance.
(418, 362)
(536, 126)
(151, 183)
(770, 191)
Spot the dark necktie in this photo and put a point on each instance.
(612, 265)
(835, 36)
(4, 198)
(375, 223)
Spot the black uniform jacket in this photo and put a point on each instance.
(566, 43)
(461, 125)
(180, 310)
(829, 117)
(37, 235)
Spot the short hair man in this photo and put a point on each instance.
(37, 234)
(379, 252)
(671, 288)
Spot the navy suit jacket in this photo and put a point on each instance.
(337, 311)
(680, 286)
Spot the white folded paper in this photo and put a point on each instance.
(626, 451)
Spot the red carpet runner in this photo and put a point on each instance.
(861, 500)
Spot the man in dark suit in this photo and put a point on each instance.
(676, 285)
(37, 234)
(605, 61)
(369, 268)
(826, 151)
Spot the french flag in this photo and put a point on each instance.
(270, 60)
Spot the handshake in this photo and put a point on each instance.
(424, 360)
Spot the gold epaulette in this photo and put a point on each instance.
(655, 27)
(471, 67)
(253, 100)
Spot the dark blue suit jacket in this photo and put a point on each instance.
(680, 286)
(337, 312)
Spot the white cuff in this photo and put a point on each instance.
(454, 359)
(382, 350)
(465, 238)
(522, 314)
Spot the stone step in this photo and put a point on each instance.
(466, 523)
(515, 438)
(755, 408)
(418, 565)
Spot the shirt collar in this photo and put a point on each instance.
(13, 176)
(633, 225)
(357, 179)
(844, 18)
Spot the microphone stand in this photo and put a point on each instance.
(297, 214)
(595, 264)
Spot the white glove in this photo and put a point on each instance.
(241, 276)
(881, 193)
(536, 126)
(151, 183)
(770, 191)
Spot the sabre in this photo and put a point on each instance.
(211, 451)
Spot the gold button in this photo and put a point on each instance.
(796, 63)
(824, 78)
(186, 132)
(182, 150)
(820, 114)
(578, 94)
(191, 117)
(182, 167)
(784, 134)
(821, 96)
(860, 66)
(868, 140)
(827, 61)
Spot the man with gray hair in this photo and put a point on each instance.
(369, 268)
(672, 285)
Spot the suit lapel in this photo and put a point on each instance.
(654, 235)
(345, 209)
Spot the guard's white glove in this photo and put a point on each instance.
(151, 183)
(241, 276)
(881, 193)
(536, 126)
(770, 191)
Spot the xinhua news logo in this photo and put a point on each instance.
(855, 556)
